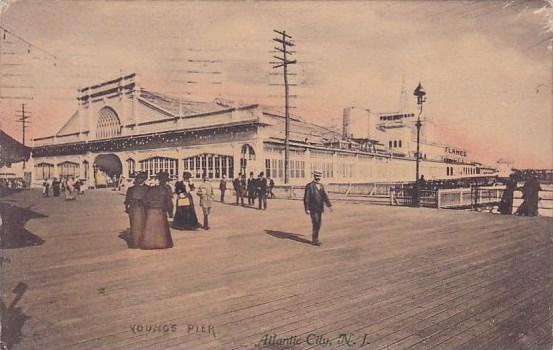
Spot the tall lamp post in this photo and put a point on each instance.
(421, 98)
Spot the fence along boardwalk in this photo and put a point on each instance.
(395, 277)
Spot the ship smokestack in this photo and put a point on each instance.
(346, 126)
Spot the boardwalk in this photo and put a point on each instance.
(385, 278)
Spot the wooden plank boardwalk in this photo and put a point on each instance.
(385, 278)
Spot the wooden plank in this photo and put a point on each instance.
(407, 269)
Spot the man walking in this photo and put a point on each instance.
(205, 192)
(262, 191)
(271, 184)
(223, 187)
(314, 201)
(237, 184)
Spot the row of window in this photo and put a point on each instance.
(325, 168)
(275, 168)
(464, 170)
(154, 165)
(395, 144)
(213, 165)
(45, 171)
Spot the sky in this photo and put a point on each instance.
(486, 65)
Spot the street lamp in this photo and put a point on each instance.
(421, 98)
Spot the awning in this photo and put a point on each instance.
(11, 150)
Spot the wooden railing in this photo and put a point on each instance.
(477, 197)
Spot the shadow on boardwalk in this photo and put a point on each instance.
(13, 318)
(12, 227)
(125, 235)
(287, 235)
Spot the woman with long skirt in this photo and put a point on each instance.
(70, 189)
(158, 205)
(506, 205)
(185, 214)
(56, 187)
(530, 195)
(134, 206)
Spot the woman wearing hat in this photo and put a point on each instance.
(185, 214)
(158, 205)
(134, 206)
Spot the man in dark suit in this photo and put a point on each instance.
(262, 191)
(238, 190)
(314, 201)
(252, 189)
(223, 187)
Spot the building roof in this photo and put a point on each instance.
(301, 130)
(174, 106)
(11, 150)
(71, 126)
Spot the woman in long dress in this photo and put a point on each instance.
(158, 205)
(185, 214)
(134, 206)
(506, 205)
(56, 187)
(530, 194)
(70, 189)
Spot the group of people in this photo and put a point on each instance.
(68, 185)
(149, 208)
(259, 188)
(530, 197)
(12, 184)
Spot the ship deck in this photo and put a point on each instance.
(384, 278)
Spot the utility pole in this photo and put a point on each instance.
(283, 61)
(23, 117)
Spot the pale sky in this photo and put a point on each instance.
(485, 65)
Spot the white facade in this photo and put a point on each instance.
(120, 128)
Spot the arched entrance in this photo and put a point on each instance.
(107, 170)
(246, 153)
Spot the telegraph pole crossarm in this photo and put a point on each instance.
(283, 61)
(23, 117)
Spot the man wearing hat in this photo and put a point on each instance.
(314, 201)
(134, 206)
(205, 192)
(262, 191)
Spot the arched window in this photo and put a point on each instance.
(44, 171)
(246, 153)
(69, 169)
(108, 124)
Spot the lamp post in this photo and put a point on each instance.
(421, 98)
